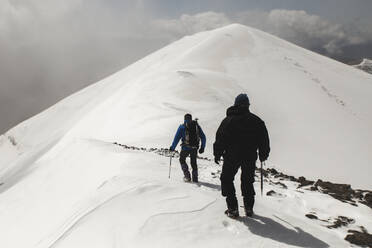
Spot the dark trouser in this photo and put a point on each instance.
(229, 170)
(193, 155)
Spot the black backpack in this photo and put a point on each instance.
(192, 137)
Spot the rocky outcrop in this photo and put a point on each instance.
(341, 221)
(359, 238)
(365, 65)
(342, 192)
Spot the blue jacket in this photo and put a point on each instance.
(181, 133)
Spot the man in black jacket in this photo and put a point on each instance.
(239, 137)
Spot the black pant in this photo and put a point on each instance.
(193, 155)
(229, 170)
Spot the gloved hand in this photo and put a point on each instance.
(263, 158)
(217, 160)
(201, 150)
(171, 149)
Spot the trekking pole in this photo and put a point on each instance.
(262, 163)
(170, 164)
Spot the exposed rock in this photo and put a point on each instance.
(281, 184)
(342, 192)
(275, 194)
(293, 179)
(313, 188)
(265, 173)
(359, 238)
(365, 65)
(341, 221)
(272, 171)
(311, 216)
(303, 182)
(368, 199)
(271, 193)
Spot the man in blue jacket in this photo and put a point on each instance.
(190, 133)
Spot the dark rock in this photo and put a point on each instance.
(264, 172)
(281, 184)
(272, 171)
(313, 188)
(311, 216)
(303, 182)
(293, 179)
(342, 192)
(359, 238)
(364, 230)
(276, 194)
(358, 194)
(271, 193)
(341, 221)
(368, 199)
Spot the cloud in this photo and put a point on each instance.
(297, 26)
(309, 31)
(190, 24)
(50, 49)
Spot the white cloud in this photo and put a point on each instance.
(52, 48)
(297, 26)
(190, 24)
(306, 30)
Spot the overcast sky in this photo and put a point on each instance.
(50, 49)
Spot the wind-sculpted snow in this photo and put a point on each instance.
(163, 213)
(63, 184)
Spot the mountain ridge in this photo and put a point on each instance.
(64, 184)
(253, 72)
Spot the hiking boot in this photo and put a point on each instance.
(232, 202)
(232, 213)
(186, 179)
(248, 212)
(195, 176)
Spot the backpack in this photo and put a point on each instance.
(192, 137)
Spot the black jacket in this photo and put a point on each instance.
(240, 135)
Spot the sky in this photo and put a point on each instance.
(50, 49)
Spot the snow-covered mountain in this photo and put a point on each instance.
(64, 184)
(365, 65)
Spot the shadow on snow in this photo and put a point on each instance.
(210, 185)
(268, 228)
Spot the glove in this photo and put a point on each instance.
(263, 158)
(217, 160)
(171, 149)
(201, 150)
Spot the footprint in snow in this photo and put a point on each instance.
(185, 74)
(229, 227)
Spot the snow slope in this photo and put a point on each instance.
(317, 110)
(65, 185)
